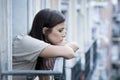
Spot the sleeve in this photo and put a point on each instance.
(26, 48)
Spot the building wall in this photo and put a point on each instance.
(106, 16)
(102, 23)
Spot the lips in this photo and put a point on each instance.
(61, 40)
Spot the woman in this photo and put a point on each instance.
(45, 41)
(43, 29)
(48, 25)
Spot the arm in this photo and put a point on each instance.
(66, 51)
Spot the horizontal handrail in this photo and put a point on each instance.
(31, 72)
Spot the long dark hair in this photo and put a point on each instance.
(45, 18)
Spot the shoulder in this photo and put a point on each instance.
(28, 43)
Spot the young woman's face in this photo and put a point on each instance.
(57, 34)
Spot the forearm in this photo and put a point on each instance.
(66, 50)
(58, 51)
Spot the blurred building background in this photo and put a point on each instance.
(88, 22)
(116, 41)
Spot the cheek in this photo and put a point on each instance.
(54, 38)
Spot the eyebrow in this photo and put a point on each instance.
(62, 28)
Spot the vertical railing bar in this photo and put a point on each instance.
(91, 51)
(29, 77)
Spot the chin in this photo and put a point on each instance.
(58, 43)
(55, 43)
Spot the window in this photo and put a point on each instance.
(19, 17)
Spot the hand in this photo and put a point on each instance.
(73, 45)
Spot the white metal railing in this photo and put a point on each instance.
(57, 72)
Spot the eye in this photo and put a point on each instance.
(60, 30)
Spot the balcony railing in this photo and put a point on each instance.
(58, 71)
(76, 71)
(90, 60)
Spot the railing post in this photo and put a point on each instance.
(90, 60)
(87, 63)
(58, 77)
(0, 74)
(29, 77)
(62, 76)
(76, 71)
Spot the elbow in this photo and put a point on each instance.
(70, 56)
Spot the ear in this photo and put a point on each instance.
(44, 30)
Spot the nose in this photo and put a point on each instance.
(63, 35)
